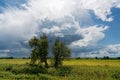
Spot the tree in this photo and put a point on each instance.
(43, 47)
(60, 52)
(33, 44)
(39, 50)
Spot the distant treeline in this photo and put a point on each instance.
(14, 57)
(6, 57)
(104, 58)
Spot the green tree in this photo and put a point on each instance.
(60, 52)
(39, 50)
(43, 47)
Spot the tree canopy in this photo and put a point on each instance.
(39, 50)
(60, 52)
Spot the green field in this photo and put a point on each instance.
(74, 69)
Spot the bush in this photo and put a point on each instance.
(29, 70)
(15, 71)
(52, 71)
(8, 68)
(64, 71)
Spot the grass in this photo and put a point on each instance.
(92, 62)
(74, 69)
(14, 61)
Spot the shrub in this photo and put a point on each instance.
(36, 70)
(8, 68)
(29, 70)
(15, 71)
(64, 71)
(52, 71)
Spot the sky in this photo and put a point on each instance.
(89, 27)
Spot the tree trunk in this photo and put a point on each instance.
(46, 64)
(56, 63)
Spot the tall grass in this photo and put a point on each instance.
(17, 69)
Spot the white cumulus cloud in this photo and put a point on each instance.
(91, 35)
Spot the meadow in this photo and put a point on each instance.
(73, 69)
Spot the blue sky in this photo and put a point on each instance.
(112, 35)
(90, 28)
